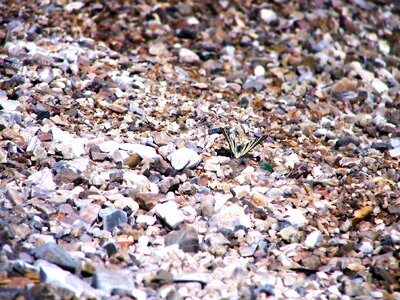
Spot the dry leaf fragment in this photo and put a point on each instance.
(363, 213)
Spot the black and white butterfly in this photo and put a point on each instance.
(241, 150)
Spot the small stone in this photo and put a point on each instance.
(268, 16)
(241, 190)
(162, 166)
(89, 213)
(216, 239)
(184, 158)
(136, 181)
(186, 237)
(366, 247)
(53, 253)
(157, 48)
(112, 218)
(296, 217)
(169, 184)
(290, 234)
(145, 220)
(314, 239)
(259, 200)
(259, 71)
(117, 108)
(133, 160)
(381, 146)
(54, 276)
(66, 175)
(187, 56)
(248, 251)
(229, 217)
(345, 141)
(169, 213)
(311, 262)
(112, 281)
(148, 200)
(395, 152)
(124, 202)
(162, 138)
(108, 146)
(96, 154)
(379, 86)
(73, 6)
(42, 179)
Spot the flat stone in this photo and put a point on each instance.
(66, 175)
(186, 237)
(169, 213)
(229, 217)
(112, 218)
(108, 146)
(169, 184)
(53, 275)
(313, 239)
(142, 150)
(114, 281)
(89, 213)
(53, 253)
(184, 158)
(148, 200)
(146, 220)
(268, 15)
(187, 56)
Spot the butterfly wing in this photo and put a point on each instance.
(241, 150)
(250, 146)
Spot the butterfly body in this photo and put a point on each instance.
(241, 150)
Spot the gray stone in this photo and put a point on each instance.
(290, 234)
(187, 56)
(395, 152)
(314, 239)
(42, 179)
(248, 251)
(55, 276)
(53, 253)
(186, 237)
(112, 218)
(114, 282)
(168, 184)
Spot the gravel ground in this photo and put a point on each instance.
(124, 170)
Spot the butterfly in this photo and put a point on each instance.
(241, 150)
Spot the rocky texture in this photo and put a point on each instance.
(116, 180)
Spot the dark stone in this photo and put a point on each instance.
(186, 237)
(147, 201)
(186, 33)
(111, 248)
(162, 166)
(53, 253)
(381, 146)
(342, 142)
(169, 184)
(96, 154)
(67, 176)
(268, 289)
(112, 218)
(214, 131)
